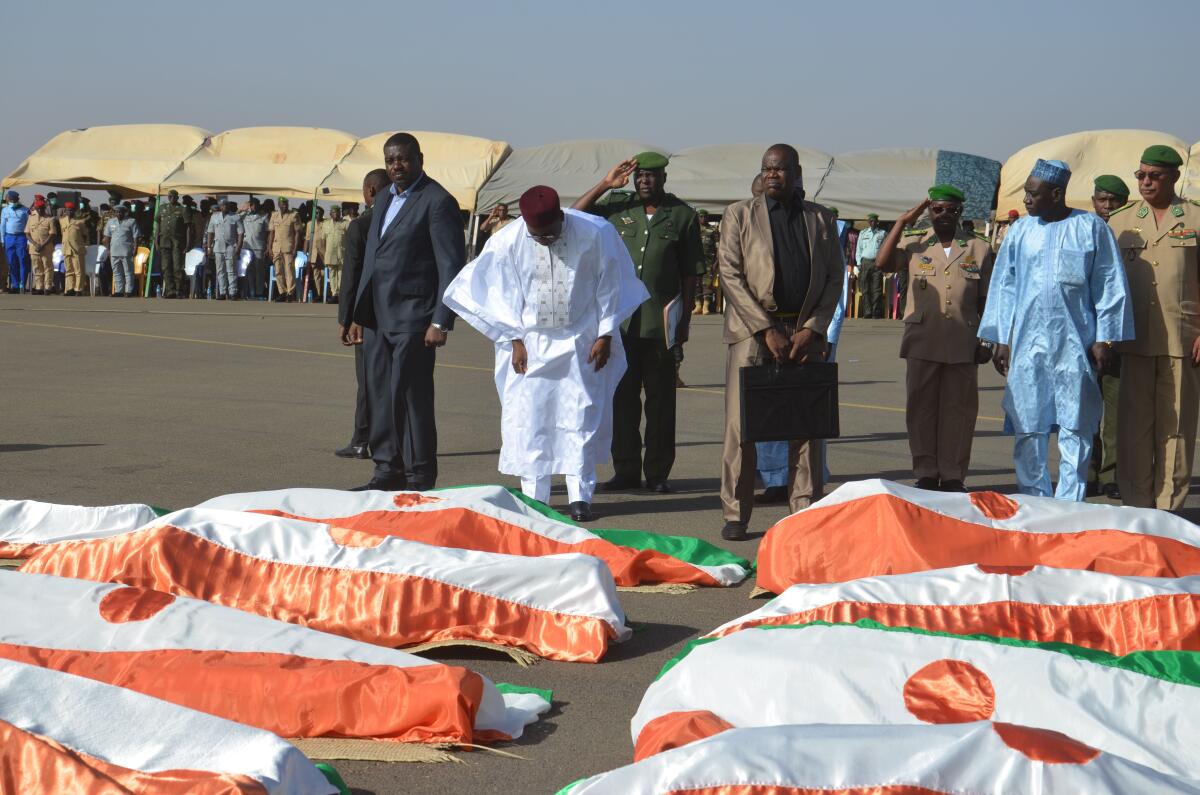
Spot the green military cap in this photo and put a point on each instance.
(872, 216)
(1161, 155)
(173, 192)
(946, 193)
(1111, 183)
(651, 160)
(281, 198)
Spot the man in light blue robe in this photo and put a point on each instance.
(1058, 301)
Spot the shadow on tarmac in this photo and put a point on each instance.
(26, 448)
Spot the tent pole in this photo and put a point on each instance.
(474, 232)
(153, 240)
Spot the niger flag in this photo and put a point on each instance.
(27, 525)
(372, 588)
(873, 527)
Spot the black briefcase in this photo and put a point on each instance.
(789, 401)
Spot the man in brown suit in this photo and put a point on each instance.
(781, 267)
(1160, 385)
(948, 274)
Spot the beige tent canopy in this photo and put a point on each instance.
(713, 177)
(461, 163)
(1089, 154)
(284, 161)
(134, 158)
(1189, 183)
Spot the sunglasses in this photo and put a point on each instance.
(1154, 176)
(949, 209)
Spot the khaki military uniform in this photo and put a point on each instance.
(74, 247)
(666, 250)
(286, 228)
(941, 322)
(174, 221)
(1160, 388)
(40, 231)
(331, 238)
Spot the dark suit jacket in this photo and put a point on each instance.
(406, 272)
(354, 248)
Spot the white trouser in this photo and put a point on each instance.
(1031, 456)
(578, 489)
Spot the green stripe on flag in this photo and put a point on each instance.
(695, 551)
(506, 688)
(567, 789)
(1180, 667)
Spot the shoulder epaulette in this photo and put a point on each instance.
(912, 232)
(1122, 208)
(983, 237)
(1192, 201)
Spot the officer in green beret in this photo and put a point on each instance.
(1160, 383)
(663, 237)
(949, 270)
(174, 239)
(1109, 195)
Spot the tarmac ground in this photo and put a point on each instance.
(172, 402)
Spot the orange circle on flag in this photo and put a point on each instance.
(994, 505)
(950, 691)
(132, 604)
(1043, 745)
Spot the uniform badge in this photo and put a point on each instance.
(926, 260)
(1177, 211)
(625, 220)
(1142, 213)
(1137, 230)
(1182, 234)
(922, 282)
(962, 243)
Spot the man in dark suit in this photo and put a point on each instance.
(353, 251)
(415, 247)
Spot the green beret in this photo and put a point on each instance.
(1110, 183)
(1161, 155)
(946, 193)
(651, 160)
(872, 216)
(172, 192)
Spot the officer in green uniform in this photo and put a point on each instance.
(174, 238)
(663, 237)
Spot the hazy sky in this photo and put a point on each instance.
(985, 78)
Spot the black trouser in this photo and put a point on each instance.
(870, 279)
(362, 432)
(399, 371)
(256, 275)
(652, 368)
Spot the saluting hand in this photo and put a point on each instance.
(910, 217)
(619, 176)
(600, 352)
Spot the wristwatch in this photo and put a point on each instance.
(440, 328)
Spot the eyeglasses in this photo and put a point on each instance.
(1153, 176)
(545, 240)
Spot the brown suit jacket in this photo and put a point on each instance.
(746, 259)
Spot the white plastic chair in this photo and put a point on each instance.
(93, 259)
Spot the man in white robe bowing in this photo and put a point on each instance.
(551, 291)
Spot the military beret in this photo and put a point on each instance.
(1111, 183)
(281, 198)
(172, 192)
(946, 193)
(872, 216)
(1161, 155)
(651, 160)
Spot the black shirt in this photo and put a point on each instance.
(793, 267)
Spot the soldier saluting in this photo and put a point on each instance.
(948, 274)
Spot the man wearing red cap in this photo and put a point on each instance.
(1002, 228)
(41, 229)
(551, 291)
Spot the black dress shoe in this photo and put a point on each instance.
(955, 486)
(394, 483)
(1112, 491)
(734, 531)
(353, 451)
(581, 511)
(619, 483)
(772, 495)
(929, 484)
(658, 486)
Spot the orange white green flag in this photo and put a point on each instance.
(27, 525)
(1140, 706)
(872, 527)
(286, 679)
(978, 758)
(389, 591)
(67, 735)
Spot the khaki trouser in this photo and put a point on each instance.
(942, 404)
(739, 460)
(335, 279)
(73, 267)
(285, 271)
(1156, 437)
(1103, 468)
(43, 267)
